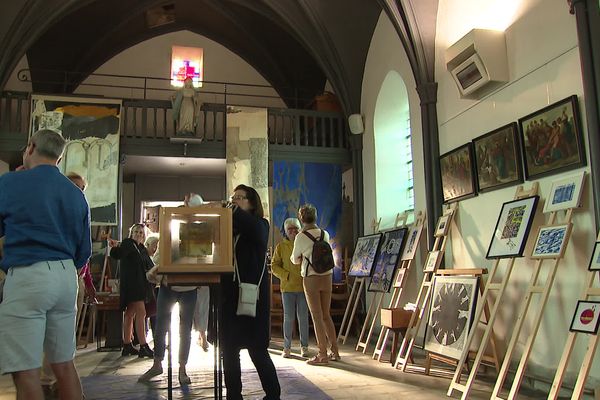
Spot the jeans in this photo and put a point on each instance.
(167, 298)
(294, 303)
(264, 366)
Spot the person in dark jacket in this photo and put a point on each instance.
(134, 288)
(251, 233)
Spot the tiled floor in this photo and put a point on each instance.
(356, 376)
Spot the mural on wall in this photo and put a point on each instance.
(297, 183)
(248, 151)
(91, 128)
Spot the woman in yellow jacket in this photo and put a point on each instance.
(292, 291)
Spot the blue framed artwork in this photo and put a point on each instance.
(565, 193)
(387, 260)
(364, 256)
(551, 241)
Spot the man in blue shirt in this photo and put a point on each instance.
(46, 223)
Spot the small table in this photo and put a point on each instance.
(396, 320)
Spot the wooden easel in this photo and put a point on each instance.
(404, 353)
(375, 306)
(499, 288)
(397, 292)
(588, 291)
(354, 299)
(534, 288)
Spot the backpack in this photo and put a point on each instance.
(322, 255)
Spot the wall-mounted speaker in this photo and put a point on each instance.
(355, 122)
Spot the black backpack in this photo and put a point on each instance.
(322, 255)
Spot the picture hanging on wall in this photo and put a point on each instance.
(551, 139)
(443, 225)
(586, 318)
(551, 241)
(412, 242)
(91, 128)
(387, 260)
(457, 170)
(364, 256)
(498, 158)
(433, 261)
(595, 260)
(512, 228)
(565, 193)
(453, 303)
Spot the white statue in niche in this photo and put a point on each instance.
(185, 106)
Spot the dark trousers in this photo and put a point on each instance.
(264, 366)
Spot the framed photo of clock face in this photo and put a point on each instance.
(453, 302)
(551, 241)
(586, 317)
(595, 261)
(364, 255)
(387, 260)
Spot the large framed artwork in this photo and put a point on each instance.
(565, 193)
(551, 241)
(551, 139)
(387, 260)
(91, 127)
(498, 158)
(458, 173)
(412, 242)
(364, 256)
(512, 228)
(586, 318)
(453, 303)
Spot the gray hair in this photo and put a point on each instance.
(291, 222)
(150, 240)
(49, 144)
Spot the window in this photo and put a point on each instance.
(187, 62)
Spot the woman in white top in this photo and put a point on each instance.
(317, 287)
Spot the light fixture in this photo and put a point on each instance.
(185, 141)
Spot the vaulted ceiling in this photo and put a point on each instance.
(297, 45)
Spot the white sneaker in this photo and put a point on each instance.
(304, 351)
(286, 353)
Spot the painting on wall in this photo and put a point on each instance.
(586, 318)
(551, 241)
(458, 174)
(551, 139)
(453, 303)
(297, 183)
(387, 260)
(91, 128)
(512, 228)
(412, 242)
(565, 193)
(498, 158)
(364, 256)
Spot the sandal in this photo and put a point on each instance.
(334, 356)
(317, 360)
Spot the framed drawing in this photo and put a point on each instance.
(364, 255)
(412, 242)
(443, 225)
(453, 303)
(387, 260)
(512, 228)
(91, 128)
(586, 319)
(458, 173)
(551, 241)
(551, 139)
(399, 277)
(595, 261)
(498, 158)
(433, 261)
(565, 193)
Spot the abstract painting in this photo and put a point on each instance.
(387, 260)
(512, 228)
(364, 256)
(586, 317)
(91, 127)
(453, 303)
(551, 241)
(565, 193)
(458, 173)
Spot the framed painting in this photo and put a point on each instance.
(443, 225)
(387, 260)
(498, 158)
(453, 302)
(595, 260)
(433, 261)
(586, 317)
(551, 139)
(364, 256)
(412, 242)
(91, 128)
(551, 241)
(512, 228)
(399, 277)
(565, 193)
(458, 173)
